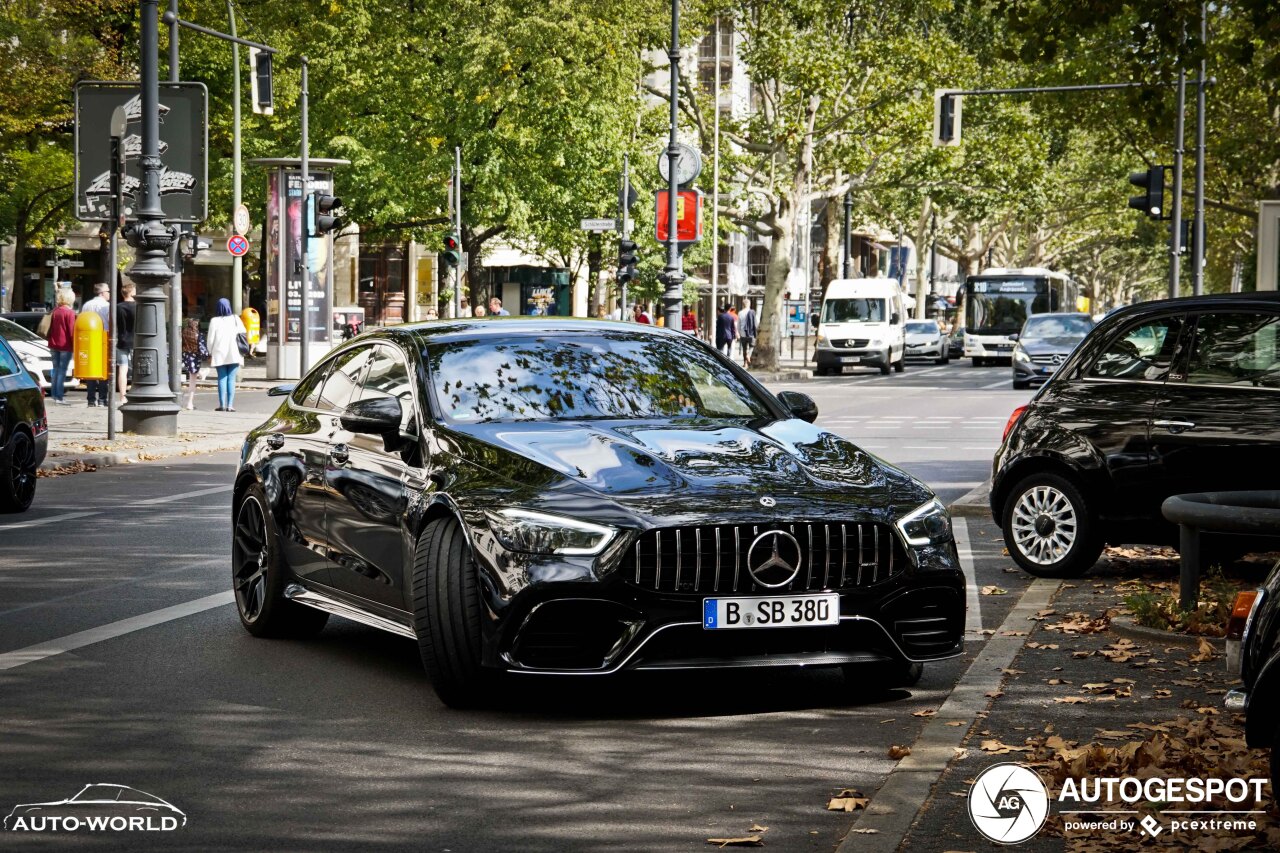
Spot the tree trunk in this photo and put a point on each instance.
(833, 251)
(772, 313)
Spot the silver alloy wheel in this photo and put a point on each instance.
(250, 559)
(1044, 525)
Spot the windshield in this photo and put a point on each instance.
(923, 329)
(608, 375)
(11, 332)
(1050, 326)
(853, 311)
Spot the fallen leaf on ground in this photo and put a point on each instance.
(741, 841)
(956, 723)
(865, 831)
(1070, 700)
(927, 713)
(994, 590)
(846, 800)
(896, 751)
(1206, 652)
(1000, 748)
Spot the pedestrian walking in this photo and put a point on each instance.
(726, 330)
(224, 353)
(61, 338)
(100, 305)
(194, 351)
(747, 329)
(126, 317)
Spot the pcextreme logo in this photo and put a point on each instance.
(98, 808)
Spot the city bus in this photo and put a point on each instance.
(998, 301)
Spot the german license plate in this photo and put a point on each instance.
(776, 611)
(850, 359)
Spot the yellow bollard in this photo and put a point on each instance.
(252, 324)
(90, 345)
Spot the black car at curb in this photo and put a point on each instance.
(580, 497)
(1162, 398)
(24, 432)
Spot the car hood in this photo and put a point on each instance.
(707, 459)
(922, 337)
(1048, 346)
(39, 350)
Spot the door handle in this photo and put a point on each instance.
(340, 454)
(1175, 427)
(275, 441)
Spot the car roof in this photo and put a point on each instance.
(1060, 314)
(471, 328)
(1268, 298)
(842, 288)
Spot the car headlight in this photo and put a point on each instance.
(1019, 354)
(927, 524)
(539, 533)
(822, 340)
(875, 342)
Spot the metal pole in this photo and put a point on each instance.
(1175, 239)
(673, 275)
(933, 256)
(119, 124)
(151, 409)
(173, 40)
(848, 235)
(1197, 238)
(457, 225)
(305, 351)
(237, 262)
(715, 200)
(626, 229)
(175, 283)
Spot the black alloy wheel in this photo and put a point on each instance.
(258, 579)
(18, 488)
(1049, 527)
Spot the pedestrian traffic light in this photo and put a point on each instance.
(328, 213)
(260, 81)
(451, 254)
(626, 260)
(946, 118)
(1151, 182)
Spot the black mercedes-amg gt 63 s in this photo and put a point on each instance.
(581, 497)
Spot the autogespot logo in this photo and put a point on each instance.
(1008, 803)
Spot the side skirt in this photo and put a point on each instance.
(320, 601)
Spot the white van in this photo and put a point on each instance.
(862, 324)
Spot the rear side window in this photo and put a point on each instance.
(1143, 352)
(8, 364)
(1235, 349)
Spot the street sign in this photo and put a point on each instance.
(184, 149)
(240, 220)
(238, 245)
(688, 216)
(598, 224)
(64, 262)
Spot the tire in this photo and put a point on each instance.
(446, 616)
(258, 575)
(882, 677)
(900, 365)
(1057, 535)
(1022, 384)
(979, 362)
(942, 360)
(821, 371)
(18, 476)
(884, 369)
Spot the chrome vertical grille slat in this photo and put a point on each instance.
(868, 555)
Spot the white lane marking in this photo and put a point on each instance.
(53, 519)
(925, 447)
(128, 581)
(197, 493)
(927, 371)
(973, 614)
(80, 639)
(1003, 383)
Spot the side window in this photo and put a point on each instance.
(8, 364)
(1143, 352)
(1235, 349)
(343, 379)
(307, 394)
(388, 377)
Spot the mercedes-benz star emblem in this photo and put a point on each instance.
(768, 501)
(1057, 359)
(774, 558)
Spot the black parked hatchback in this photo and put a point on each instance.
(24, 432)
(1162, 398)
(576, 497)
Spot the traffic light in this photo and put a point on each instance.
(260, 81)
(946, 118)
(328, 213)
(451, 254)
(626, 260)
(1151, 182)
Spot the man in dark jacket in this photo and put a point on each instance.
(726, 330)
(747, 328)
(126, 316)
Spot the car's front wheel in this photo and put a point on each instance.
(18, 477)
(446, 615)
(1049, 527)
(258, 575)
(901, 364)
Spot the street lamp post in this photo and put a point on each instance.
(848, 234)
(151, 408)
(673, 274)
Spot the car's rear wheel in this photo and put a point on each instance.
(1049, 527)
(901, 364)
(18, 477)
(943, 360)
(258, 577)
(884, 369)
(446, 615)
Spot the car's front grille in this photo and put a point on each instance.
(713, 558)
(851, 343)
(1047, 359)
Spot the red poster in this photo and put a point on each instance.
(688, 215)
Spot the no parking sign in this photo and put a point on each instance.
(238, 245)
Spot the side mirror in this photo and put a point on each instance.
(895, 319)
(1015, 336)
(813, 320)
(373, 417)
(799, 405)
(281, 391)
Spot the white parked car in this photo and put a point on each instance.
(34, 352)
(925, 340)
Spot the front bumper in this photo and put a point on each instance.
(935, 350)
(831, 357)
(1032, 372)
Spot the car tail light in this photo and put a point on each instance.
(1013, 419)
(1240, 614)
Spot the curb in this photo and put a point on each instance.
(975, 504)
(1124, 626)
(782, 375)
(110, 459)
(97, 460)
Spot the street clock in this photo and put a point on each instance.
(688, 164)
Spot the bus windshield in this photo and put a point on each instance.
(1001, 306)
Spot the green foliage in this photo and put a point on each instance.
(1161, 610)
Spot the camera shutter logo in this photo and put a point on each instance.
(1008, 803)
